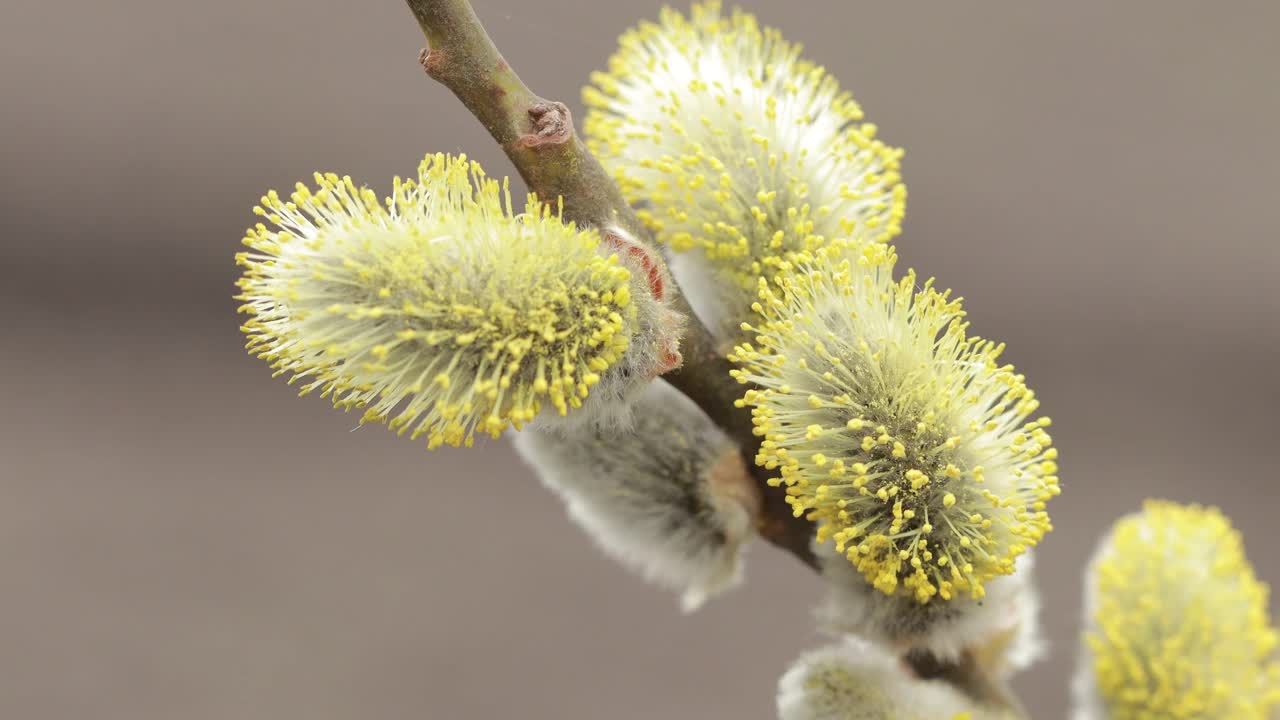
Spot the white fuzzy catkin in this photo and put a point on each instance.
(443, 312)
(895, 429)
(854, 680)
(668, 497)
(737, 152)
(1002, 629)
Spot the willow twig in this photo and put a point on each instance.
(538, 136)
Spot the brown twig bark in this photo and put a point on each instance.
(538, 136)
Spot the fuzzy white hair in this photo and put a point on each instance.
(856, 680)
(659, 497)
(1003, 628)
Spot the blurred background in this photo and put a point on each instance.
(180, 537)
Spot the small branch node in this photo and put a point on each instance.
(552, 125)
(432, 61)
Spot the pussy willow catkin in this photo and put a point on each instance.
(440, 311)
(1178, 622)
(901, 435)
(738, 150)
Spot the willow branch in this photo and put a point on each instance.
(538, 136)
(536, 133)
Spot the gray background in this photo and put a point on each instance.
(182, 538)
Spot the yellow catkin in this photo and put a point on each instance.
(438, 311)
(735, 147)
(901, 435)
(1179, 621)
